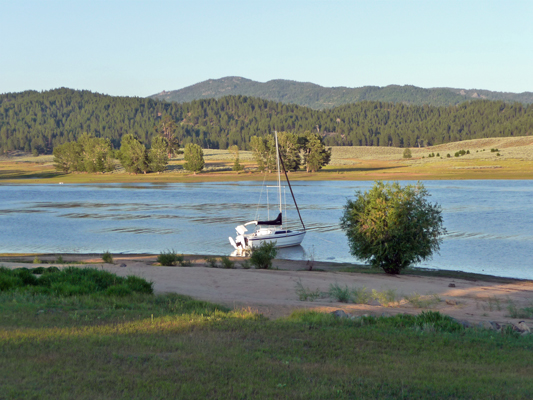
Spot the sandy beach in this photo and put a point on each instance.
(273, 292)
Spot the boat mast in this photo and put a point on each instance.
(279, 171)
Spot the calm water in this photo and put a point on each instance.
(490, 223)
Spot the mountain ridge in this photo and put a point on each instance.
(318, 97)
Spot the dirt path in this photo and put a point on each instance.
(273, 292)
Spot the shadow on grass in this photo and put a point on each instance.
(361, 169)
(21, 174)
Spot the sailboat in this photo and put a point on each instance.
(270, 231)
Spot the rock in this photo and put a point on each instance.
(523, 327)
(339, 314)
(451, 285)
(451, 302)
(123, 265)
(494, 325)
(463, 322)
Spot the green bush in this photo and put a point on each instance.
(107, 257)
(245, 264)
(70, 281)
(227, 263)
(361, 295)
(393, 227)
(212, 262)
(407, 153)
(386, 297)
(169, 258)
(340, 294)
(37, 260)
(305, 294)
(59, 260)
(263, 255)
(119, 290)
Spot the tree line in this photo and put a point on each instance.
(93, 155)
(40, 121)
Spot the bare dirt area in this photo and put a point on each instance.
(274, 292)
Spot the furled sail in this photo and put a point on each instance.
(276, 221)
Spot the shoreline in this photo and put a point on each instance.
(475, 298)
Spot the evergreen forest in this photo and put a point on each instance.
(40, 121)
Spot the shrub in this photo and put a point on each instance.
(168, 258)
(305, 294)
(448, 155)
(246, 264)
(118, 290)
(418, 301)
(211, 262)
(263, 255)
(361, 295)
(37, 260)
(139, 285)
(59, 260)
(71, 281)
(438, 154)
(227, 263)
(407, 153)
(340, 294)
(107, 258)
(385, 298)
(393, 227)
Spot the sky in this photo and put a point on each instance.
(139, 48)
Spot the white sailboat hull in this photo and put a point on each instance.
(293, 238)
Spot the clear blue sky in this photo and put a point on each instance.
(138, 48)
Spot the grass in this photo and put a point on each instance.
(515, 312)
(70, 281)
(306, 294)
(348, 163)
(171, 346)
(419, 301)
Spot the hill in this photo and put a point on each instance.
(319, 97)
(42, 120)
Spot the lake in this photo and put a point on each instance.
(489, 222)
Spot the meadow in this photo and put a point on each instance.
(512, 160)
(107, 344)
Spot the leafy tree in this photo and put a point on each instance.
(67, 157)
(133, 155)
(261, 153)
(393, 227)
(194, 158)
(157, 155)
(234, 151)
(316, 155)
(290, 146)
(95, 154)
(167, 128)
(407, 153)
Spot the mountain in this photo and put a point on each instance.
(319, 97)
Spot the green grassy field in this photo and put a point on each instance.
(513, 160)
(103, 345)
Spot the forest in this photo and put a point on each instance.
(34, 121)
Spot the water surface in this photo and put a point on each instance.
(490, 223)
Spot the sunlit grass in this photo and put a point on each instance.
(171, 346)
